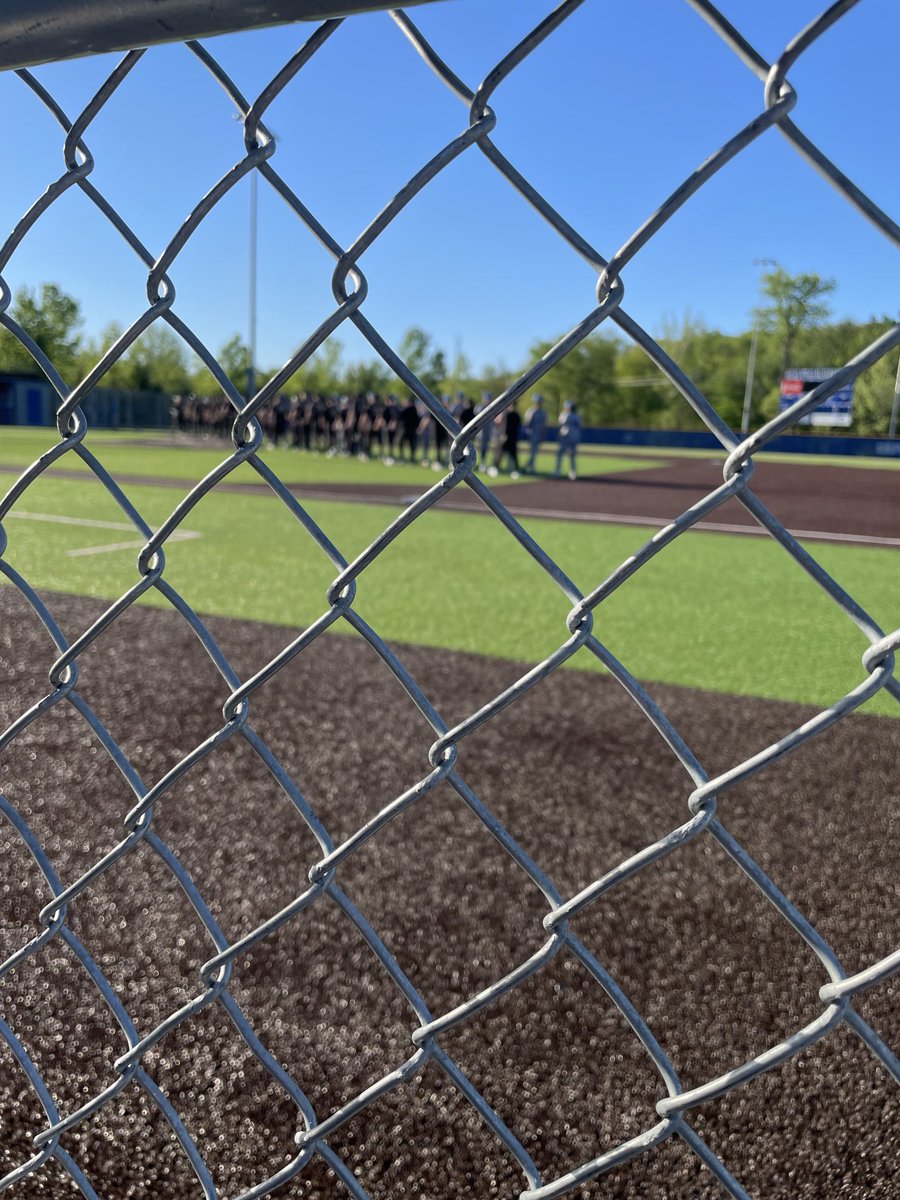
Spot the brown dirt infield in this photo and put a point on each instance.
(582, 781)
(829, 502)
(849, 501)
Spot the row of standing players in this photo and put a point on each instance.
(371, 426)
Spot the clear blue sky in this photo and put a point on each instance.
(607, 117)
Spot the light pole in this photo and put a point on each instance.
(751, 362)
(892, 428)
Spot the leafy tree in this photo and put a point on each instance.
(372, 376)
(495, 379)
(423, 358)
(586, 375)
(645, 395)
(460, 377)
(322, 373)
(832, 345)
(874, 397)
(159, 358)
(53, 320)
(119, 374)
(797, 304)
(234, 359)
(717, 363)
(613, 382)
(157, 362)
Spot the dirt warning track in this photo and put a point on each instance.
(582, 781)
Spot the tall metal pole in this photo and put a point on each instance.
(751, 362)
(748, 389)
(251, 288)
(892, 428)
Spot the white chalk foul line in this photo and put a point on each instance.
(180, 535)
(600, 518)
(819, 535)
(56, 519)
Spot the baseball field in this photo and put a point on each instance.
(731, 638)
(737, 616)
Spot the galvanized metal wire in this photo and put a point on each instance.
(444, 760)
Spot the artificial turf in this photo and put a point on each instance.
(154, 455)
(726, 613)
(858, 461)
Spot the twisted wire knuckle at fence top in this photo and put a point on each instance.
(445, 758)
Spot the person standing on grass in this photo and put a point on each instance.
(486, 436)
(409, 426)
(440, 443)
(295, 418)
(322, 423)
(281, 418)
(342, 425)
(331, 424)
(569, 437)
(423, 432)
(536, 428)
(391, 421)
(376, 414)
(363, 444)
(508, 443)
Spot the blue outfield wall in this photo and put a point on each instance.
(695, 439)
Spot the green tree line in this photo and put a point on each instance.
(613, 381)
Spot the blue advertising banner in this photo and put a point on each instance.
(836, 411)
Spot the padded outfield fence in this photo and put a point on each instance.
(65, 29)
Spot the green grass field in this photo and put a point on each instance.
(153, 455)
(728, 613)
(776, 456)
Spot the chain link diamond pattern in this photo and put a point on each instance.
(444, 760)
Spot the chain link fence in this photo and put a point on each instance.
(444, 760)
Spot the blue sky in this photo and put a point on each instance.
(607, 118)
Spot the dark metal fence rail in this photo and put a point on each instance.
(37, 31)
(444, 761)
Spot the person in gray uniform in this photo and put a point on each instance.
(486, 436)
(569, 437)
(536, 430)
